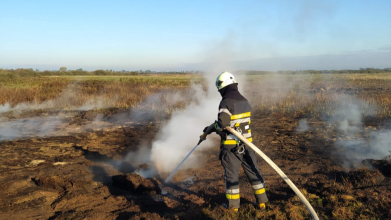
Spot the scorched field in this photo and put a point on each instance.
(84, 147)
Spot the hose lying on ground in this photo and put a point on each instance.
(277, 169)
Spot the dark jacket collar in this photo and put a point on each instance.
(231, 91)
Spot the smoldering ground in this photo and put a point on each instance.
(185, 114)
(189, 112)
(354, 141)
(56, 116)
(30, 127)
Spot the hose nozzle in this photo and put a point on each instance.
(202, 138)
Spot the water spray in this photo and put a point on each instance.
(278, 170)
(163, 192)
(202, 138)
(176, 169)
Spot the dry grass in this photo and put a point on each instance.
(319, 95)
(70, 92)
(306, 95)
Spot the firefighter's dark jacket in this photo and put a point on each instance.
(234, 111)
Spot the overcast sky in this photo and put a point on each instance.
(195, 35)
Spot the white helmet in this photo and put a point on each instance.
(225, 79)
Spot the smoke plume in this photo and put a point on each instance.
(303, 126)
(157, 105)
(190, 112)
(355, 143)
(181, 133)
(30, 127)
(178, 135)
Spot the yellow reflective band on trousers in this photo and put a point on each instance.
(239, 116)
(233, 142)
(260, 191)
(232, 196)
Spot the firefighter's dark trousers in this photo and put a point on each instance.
(231, 161)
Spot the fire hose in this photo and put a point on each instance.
(266, 158)
(277, 169)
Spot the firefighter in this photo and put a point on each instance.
(235, 111)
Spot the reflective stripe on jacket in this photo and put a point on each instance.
(236, 114)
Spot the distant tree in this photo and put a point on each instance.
(99, 72)
(47, 73)
(63, 69)
(80, 69)
(133, 73)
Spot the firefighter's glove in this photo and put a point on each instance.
(209, 129)
(202, 137)
(205, 133)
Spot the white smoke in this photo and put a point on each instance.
(380, 144)
(97, 103)
(274, 91)
(69, 99)
(354, 142)
(303, 126)
(350, 112)
(173, 142)
(157, 105)
(55, 124)
(5, 108)
(178, 135)
(162, 103)
(30, 127)
(175, 138)
(181, 133)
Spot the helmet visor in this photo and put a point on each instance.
(218, 83)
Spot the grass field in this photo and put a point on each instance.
(298, 94)
(119, 91)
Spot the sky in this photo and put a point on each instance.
(195, 35)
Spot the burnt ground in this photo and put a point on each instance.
(76, 176)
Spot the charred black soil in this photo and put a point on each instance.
(78, 176)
